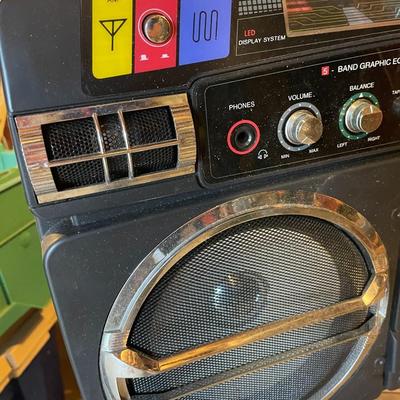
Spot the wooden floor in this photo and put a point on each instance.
(390, 396)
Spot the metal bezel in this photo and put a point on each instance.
(39, 167)
(116, 365)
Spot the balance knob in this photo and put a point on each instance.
(363, 117)
(303, 128)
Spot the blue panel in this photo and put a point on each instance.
(205, 30)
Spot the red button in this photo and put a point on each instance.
(155, 56)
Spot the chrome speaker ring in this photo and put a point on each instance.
(118, 363)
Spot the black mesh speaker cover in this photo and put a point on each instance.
(149, 126)
(258, 272)
(69, 139)
(77, 175)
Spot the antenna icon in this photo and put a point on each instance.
(113, 26)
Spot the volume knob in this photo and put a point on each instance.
(303, 128)
(363, 117)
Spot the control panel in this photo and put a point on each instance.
(133, 45)
(301, 115)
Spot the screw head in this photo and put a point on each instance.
(379, 362)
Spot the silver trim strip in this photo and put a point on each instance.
(126, 141)
(255, 366)
(101, 147)
(112, 153)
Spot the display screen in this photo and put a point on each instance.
(306, 17)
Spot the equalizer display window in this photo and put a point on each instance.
(305, 17)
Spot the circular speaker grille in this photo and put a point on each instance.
(260, 271)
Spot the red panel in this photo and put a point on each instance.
(148, 56)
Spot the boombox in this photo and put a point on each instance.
(217, 188)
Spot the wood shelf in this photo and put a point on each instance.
(390, 395)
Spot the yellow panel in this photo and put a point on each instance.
(112, 36)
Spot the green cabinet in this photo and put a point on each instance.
(22, 282)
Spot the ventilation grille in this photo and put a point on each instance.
(75, 139)
(85, 151)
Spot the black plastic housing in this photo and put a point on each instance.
(105, 236)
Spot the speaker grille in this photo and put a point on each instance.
(252, 274)
(78, 175)
(298, 379)
(70, 139)
(118, 168)
(141, 126)
(108, 147)
(154, 160)
(74, 138)
(111, 132)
